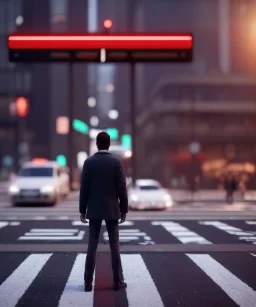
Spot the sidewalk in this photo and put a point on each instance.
(210, 196)
(4, 187)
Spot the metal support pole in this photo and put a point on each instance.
(133, 124)
(71, 117)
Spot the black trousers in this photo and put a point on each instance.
(113, 233)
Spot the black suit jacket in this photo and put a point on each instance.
(103, 193)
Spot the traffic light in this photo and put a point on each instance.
(107, 23)
(80, 126)
(22, 106)
(61, 159)
(126, 140)
(113, 133)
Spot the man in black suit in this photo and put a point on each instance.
(103, 196)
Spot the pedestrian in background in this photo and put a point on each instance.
(103, 196)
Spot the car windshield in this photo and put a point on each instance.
(36, 172)
(148, 187)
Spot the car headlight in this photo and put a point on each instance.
(168, 200)
(47, 189)
(13, 189)
(167, 197)
(134, 197)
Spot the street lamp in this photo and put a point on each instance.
(91, 101)
(94, 121)
(19, 20)
(113, 114)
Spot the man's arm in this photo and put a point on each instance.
(84, 189)
(121, 187)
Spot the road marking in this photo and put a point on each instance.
(14, 223)
(250, 222)
(53, 230)
(237, 290)
(141, 290)
(79, 223)
(242, 235)
(3, 224)
(254, 255)
(73, 294)
(182, 233)
(53, 234)
(13, 288)
(39, 218)
(127, 235)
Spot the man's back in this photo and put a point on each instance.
(103, 196)
(103, 187)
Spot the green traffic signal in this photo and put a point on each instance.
(61, 159)
(80, 126)
(113, 133)
(126, 140)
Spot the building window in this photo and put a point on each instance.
(58, 15)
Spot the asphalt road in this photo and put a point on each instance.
(197, 254)
(154, 279)
(137, 232)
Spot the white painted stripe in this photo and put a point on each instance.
(79, 223)
(48, 234)
(141, 290)
(73, 294)
(14, 223)
(39, 218)
(53, 230)
(250, 222)
(237, 290)
(3, 224)
(79, 236)
(183, 234)
(13, 288)
(242, 235)
(254, 255)
(126, 238)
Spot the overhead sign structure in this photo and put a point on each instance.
(100, 48)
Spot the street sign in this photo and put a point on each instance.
(62, 125)
(144, 47)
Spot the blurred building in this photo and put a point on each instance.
(210, 104)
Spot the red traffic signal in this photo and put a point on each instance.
(22, 106)
(107, 23)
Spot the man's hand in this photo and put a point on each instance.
(83, 219)
(123, 218)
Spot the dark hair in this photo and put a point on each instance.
(103, 141)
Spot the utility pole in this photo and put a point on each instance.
(71, 118)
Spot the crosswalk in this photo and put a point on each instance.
(202, 232)
(153, 281)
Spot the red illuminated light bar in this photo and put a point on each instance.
(108, 42)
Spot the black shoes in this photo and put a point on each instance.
(87, 286)
(120, 286)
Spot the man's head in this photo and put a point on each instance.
(103, 141)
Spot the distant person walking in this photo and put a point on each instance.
(230, 187)
(103, 196)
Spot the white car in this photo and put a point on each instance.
(44, 182)
(148, 194)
